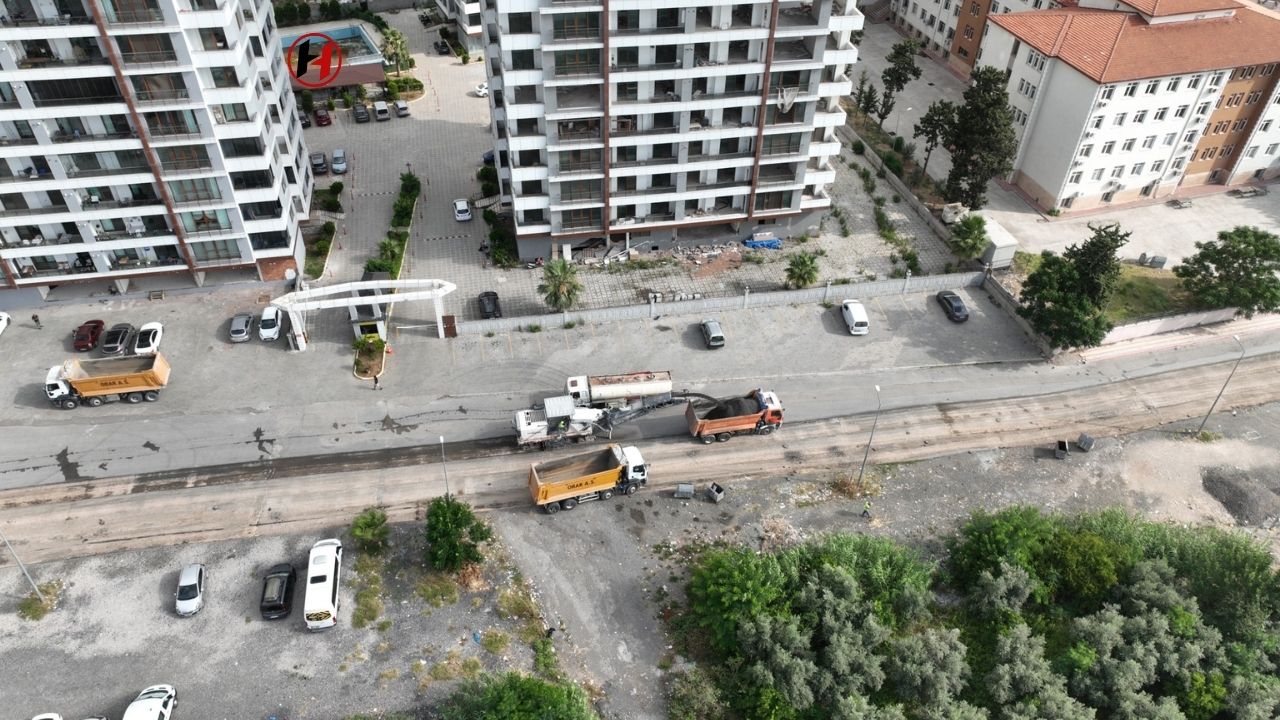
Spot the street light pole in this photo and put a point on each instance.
(444, 464)
(867, 452)
(34, 587)
(1224, 384)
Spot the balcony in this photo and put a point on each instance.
(203, 200)
(576, 70)
(22, 19)
(62, 136)
(169, 167)
(206, 231)
(662, 30)
(82, 100)
(145, 16)
(126, 263)
(151, 58)
(630, 132)
(173, 132)
(654, 190)
(94, 172)
(643, 67)
(585, 33)
(47, 210)
(711, 157)
(42, 241)
(163, 97)
(646, 161)
(4, 141)
(33, 62)
(207, 5)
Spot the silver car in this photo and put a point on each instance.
(189, 596)
(339, 164)
(241, 327)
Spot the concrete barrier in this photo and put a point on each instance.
(1170, 323)
(702, 306)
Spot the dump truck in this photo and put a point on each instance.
(758, 412)
(598, 475)
(93, 382)
(558, 421)
(620, 392)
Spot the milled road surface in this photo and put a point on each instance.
(73, 519)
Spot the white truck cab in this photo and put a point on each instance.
(637, 470)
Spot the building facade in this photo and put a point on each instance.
(951, 30)
(154, 138)
(465, 15)
(642, 117)
(1118, 105)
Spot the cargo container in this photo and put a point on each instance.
(598, 475)
(132, 379)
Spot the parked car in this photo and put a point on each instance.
(277, 592)
(381, 111)
(489, 305)
(402, 108)
(953, 306)
(712, 334)
(148, 340)
(361, 112)
(47, 716)
(323, 118)
(269, 324)
(442, 47)
(241, 326)
(339, 164)
(86, 337)
(4, 321)
(189, 597)
(855, 316)
(487, 158)
(482, 90)
(319, 165)
(461, 210)
(154, 703)
(117, 339)
(305, 119)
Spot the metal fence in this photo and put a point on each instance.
(748, 299)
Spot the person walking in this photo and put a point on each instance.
(866, 509)
(36, 319)
(376, 384)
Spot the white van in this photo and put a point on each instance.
(323, 571)
(381, 111)
(855, 316)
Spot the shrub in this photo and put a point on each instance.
(466, 57)
(729, 587)
(379, 265)
(858, 147)
(402, 211)
(308, 100)
(489, 189)
(488, 173)
(893, 163)
(330, 104)
(336, 188)
(347, 100)
(322, 247)
(454, 535)
(370, 531)
(898, 143)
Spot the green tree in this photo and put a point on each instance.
(560, 287)
(934, 127)
(802, 270)
(308, 101)
(395, 47)
(1236, 270)
(454, 535)
(692, 696)
(1023, 685)
(900, 71)
(982, 139)
(513, 696)
(729, 587)
(860, 91)
(1053, 305)
(1096, 262)
(370, 531)
(969, 236)
(927, 669)
(870, 101)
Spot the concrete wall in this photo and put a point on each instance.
(1009, 304)
(827, 293)
(1171, 323)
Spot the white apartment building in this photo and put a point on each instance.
(153, 138)
(655, 115)
(1116, 105)
(952, 29)
(465, 15)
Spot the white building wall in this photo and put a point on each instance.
(1260, 159)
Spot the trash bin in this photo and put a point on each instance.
(684, 492)
(715, 493)
(1063, 449)
(1085, 442)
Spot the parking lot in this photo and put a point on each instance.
(234, 402)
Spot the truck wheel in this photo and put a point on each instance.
(569, 504)
(723, 437)
(151, 396)
(552, 508)
(707, 439)
(94, 402)
(70, 404)
(631, 488)
(766, 429)
(133, 398)
(606, 494)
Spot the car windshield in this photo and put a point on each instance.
(154, 695)
(187, 592)
(273, 588)
(267, 323)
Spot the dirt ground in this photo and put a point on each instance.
(604, 571)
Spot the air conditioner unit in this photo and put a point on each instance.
(1187, 146)
(1088, 134)
(1102, 103)
(1076, 163)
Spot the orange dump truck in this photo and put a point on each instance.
(759, 412)
(94, 382)
(563, 483)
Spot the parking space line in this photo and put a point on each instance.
(885, 316)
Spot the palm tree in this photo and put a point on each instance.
(394, 46)
(802, 270)
(560, 286)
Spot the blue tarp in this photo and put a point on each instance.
(770, 244)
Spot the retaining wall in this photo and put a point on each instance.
(1155, 326)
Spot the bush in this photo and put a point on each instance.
(336, 188)
(330, 104)
(370, 531)
(898, 143)
(466, 57)
(307, 101)
(893, 163)
(329, 203)
(489, 189)
(410, 184)
(379, 265)
(858, 147)
(488, 173)
(729, 587)
(517, 696)
(402, 211)
(404, 84)
(347, 100)
(454, 535)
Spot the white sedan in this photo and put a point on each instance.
(154, 703)
(482, 90)
(148, 340)
(461, 210)
(4, 321)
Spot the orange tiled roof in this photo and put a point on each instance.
(1113, 46)
(1158, 8)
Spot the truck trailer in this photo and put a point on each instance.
(598, 475)
(621, 392)
(758, 412)
(93, 382)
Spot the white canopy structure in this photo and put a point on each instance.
(348, 295)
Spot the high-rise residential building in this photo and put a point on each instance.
(647, 116)
(465, 15)
(1113, 105)
(951, 30)
(153, 137)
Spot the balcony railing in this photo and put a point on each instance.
(84, 100)
(18, 141)
(647, 161)
(709, 157)
(589, 33)
(666, 129)
(62, 136)
(663, 30)
(587, 196)
(641, 67)
(655, 190)
(42, 241)
(90, 172)
(202, 200)
(577, 70)
(210, 230)
(580, 224)
(43, 62)
(172, 166)
(581, 166)
(20, 19)
(145, 16)
(172, 132)
(36, 210)
(153, 57)
(163, 96)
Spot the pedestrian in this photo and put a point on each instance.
(36, 319)
(376, 385)
(866, 509)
